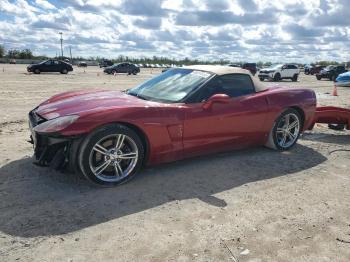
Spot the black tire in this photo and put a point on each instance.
(333, 77)
(318, 77)
(64, 71)
(134, 72)
(277, 77)
(273, 142)
(86, 152)
(295, 78)
(37, 71)
(338, 127)
(261, 79)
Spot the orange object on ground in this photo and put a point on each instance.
(335, 93)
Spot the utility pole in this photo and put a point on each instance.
(70, 51)
(61, 45)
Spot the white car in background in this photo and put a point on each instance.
(279, 72)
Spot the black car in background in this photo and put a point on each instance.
(122, 68)
(51, 65)
(105, 63)
(82, 64)
(248, 66)
(331, 72)
(234, 65)
(312, 69)
(251, 67)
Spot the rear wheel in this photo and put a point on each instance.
(285, 131)
(318, 77)
(261, 79)
(134, 72)
(111, 155)
(113, 72)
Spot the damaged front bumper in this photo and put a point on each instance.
(50, 149)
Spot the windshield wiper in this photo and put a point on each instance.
(138, 96)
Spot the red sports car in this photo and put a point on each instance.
(184, 112)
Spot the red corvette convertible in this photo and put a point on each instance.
(184, 112)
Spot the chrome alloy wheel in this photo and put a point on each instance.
(113, 157)
(287, 130)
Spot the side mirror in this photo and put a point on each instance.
(217, 98)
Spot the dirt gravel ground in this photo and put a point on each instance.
(249, 205)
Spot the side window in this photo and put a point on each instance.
(56, 62)
(49, 62)
(233, 85)
(292, 67)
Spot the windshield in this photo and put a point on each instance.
(171, 86)
(329, 67)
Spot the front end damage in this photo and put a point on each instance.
(336, 117)
(52, 149)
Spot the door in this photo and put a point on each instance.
(47, 66)
(225, 126)
(56, 66)
(285, 72)
(122, 68)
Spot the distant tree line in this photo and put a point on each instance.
(27, 54)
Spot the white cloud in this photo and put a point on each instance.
(294, 30)
(44, 4)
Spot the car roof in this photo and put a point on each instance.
(224, 70)
(218, 70)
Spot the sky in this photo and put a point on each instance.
(236, 30)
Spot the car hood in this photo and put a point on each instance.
(343, 77)
(269, 69)
(86, 102)
(326, 69)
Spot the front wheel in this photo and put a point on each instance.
(318, 77)
(64, 71)
(37, 71)
(111, 155)
(261, 78)
(295, 78)
(285, 131)
(277, 77)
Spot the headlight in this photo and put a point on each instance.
(56, 124)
